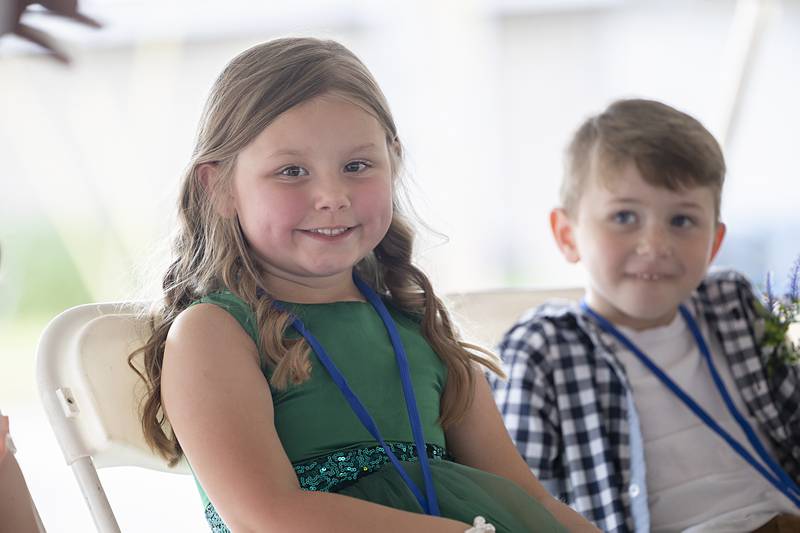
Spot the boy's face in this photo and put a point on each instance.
(645, 248)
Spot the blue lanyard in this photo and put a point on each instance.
(776, 476)
(429, 503)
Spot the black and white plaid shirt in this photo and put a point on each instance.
(569, 407)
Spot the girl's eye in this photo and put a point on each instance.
(682, 221)
(293, 171)
(624, 217)
(356, 166)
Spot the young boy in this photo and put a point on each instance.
(640, 210)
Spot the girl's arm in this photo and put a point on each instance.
(220, 408)
(482, 430)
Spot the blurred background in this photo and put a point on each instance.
(486, 94)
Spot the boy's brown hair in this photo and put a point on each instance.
(670, 149)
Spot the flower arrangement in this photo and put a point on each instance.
(782, 320)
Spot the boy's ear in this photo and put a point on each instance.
(719, 235)
(564, 233)
(223, 201)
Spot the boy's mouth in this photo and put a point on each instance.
(649, 276)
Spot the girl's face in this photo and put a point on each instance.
(313, 193)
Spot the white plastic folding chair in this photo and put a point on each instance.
(484, 316)
(92, 397)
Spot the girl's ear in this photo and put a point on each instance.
(395, 156)
(563, 229)
(396, 148)
(223, 201)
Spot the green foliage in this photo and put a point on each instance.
(777, 323)
(39, 276)
(780, 313)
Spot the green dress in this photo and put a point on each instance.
(332, 451)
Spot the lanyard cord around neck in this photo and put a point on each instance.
(429, 503)
(777, 477)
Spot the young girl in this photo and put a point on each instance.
(300, 360)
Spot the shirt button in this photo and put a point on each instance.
(633, 490)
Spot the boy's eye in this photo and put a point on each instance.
(293, 171)
(624, 217)
(682, 221)
(356, 166)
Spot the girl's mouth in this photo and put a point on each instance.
(329, 233)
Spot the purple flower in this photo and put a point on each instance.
(793, 291)
(769, 297)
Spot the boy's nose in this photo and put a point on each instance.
(654, 243)
(332, 194)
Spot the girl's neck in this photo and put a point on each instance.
(339, 288)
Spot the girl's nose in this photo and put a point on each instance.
(331, 193)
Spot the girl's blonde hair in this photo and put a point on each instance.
(211, 253)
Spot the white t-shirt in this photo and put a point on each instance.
(695, 480)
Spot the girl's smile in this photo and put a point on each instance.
(329, 233)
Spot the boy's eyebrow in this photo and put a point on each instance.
(685, 204)
(626, 200)
(690, 205)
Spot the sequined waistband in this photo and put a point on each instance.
(335, 471)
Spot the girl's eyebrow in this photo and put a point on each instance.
(295, 152)
(362, 147)
(285, 151)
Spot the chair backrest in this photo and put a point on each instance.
(484, 316)
(90, 393)
(92, 396)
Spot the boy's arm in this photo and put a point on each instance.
(528, 404)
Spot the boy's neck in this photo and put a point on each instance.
(620, 319)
